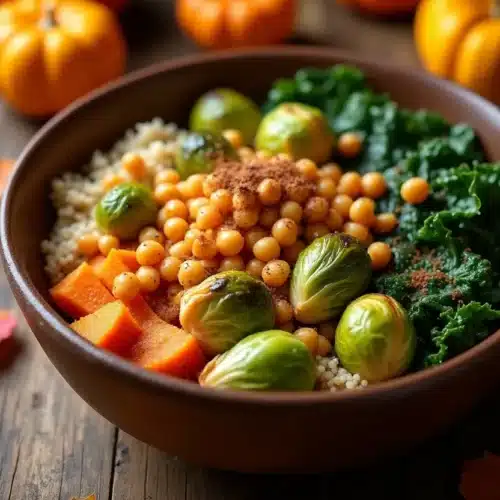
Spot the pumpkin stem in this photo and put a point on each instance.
(48, 19)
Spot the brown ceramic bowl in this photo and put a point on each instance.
(238, 431)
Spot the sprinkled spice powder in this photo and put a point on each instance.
(240, 177)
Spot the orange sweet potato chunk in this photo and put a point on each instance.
(81, 292)
(111, 327)
(129, 259)
(110, 268)
(163, 347)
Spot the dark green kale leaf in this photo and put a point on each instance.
(472, 198)
(434, 285)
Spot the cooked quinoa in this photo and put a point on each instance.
(74, 194)
(332, 377)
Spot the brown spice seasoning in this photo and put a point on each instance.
(245, 177)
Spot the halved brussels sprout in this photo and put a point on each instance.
(225, 308)
(299, 130)
(328, 274)
(267, 361)
(221, 109)
(125, 210)
(375, 338)
(197, 153)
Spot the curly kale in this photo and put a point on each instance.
(446, 295)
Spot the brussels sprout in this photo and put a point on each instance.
(297, 129)
(224, 308)
(125, 210)
(267, 361)
(222, 109)
(328, 274)
(375, 338)
(197, 153)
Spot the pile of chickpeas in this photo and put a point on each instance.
(192, 238)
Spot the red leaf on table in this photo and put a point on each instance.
(5, 169)
(8, 324)
(480, 478)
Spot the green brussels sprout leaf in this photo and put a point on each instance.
(222, 109)
(328, 274)
(225, 308)
(267, 361)
(375, 338)
(299, 130)
(125, 210)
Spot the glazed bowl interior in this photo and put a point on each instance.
(168, 91)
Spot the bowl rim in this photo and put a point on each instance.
(159, 383)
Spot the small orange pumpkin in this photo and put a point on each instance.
(53, 53)
(220, 24)
(382, 7)
(460, 40)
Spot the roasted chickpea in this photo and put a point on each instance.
(326, 188)
(176, 208)
(285, 232)
(309, 336)
(150, 253)
(316, 209)
(298, 193)
(350, 184)
(194, 205)
(332, 171)
(291, 210)
(191, 235)
(363, 211)
(191, 273)
(175, 229)
(276, 273)
(208, 217)
(107, 242)
(342, 204)
(126, 286)
(232, 264)
(204, 247)
(316, 230)
(307, 168)
(324, 346)
(195, 185)
(255, 267)
(380, 254)
(357, 230)
(209, 185)
(88, 244)
(134, 165)
(373, 185)
(385, 223)
(223, 200)
(229, 242)
(350, 144)
(149, 278)
(169, 268)
(334, 220)
(165, 192)
(246, 218)
(266, 249)
(283, 311)
(269, 191)
(268, 216)
(244, 199)
(415, 190)
(167, 176)
(151, 233)
(182, 250)
(254, 235)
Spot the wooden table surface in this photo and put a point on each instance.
(53, 446)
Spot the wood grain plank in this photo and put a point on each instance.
(52, 444)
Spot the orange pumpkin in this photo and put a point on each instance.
(460, 40)
(51, 54)
(382, 7)
(220, 24)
